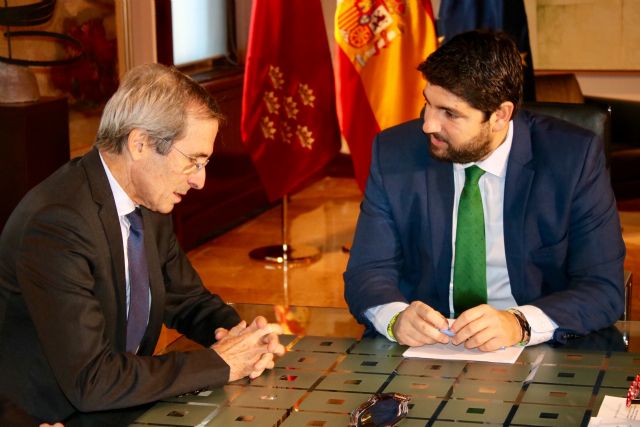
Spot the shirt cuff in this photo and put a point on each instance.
(542, 327)
(381, 315)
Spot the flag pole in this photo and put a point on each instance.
(283, 253)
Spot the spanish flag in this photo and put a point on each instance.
(379, 45)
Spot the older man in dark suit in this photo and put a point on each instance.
(90, 267)
(502, 220)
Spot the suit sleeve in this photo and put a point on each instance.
(56, 268)
(190, 307)
(594, 296)
(373, 271)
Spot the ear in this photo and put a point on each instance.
(501, 117)
(136, 142)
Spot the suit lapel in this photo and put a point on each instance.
(440, 207)
(517, 189)
(156, 283)
(101, 192)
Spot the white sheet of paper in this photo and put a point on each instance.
(459, 352)
(612, 422)
(452, 352)
(614, 409)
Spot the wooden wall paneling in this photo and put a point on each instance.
(34, 142)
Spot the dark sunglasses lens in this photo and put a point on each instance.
(385, 412)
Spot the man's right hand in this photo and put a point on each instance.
(420, 324)
(249, 350)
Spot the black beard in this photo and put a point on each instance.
(475, 149)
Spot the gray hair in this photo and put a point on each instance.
(156, 99)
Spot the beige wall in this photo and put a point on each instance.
(587, 35)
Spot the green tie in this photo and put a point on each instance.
(470, 266)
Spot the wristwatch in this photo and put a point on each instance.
(524, 325)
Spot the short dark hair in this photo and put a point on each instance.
(482, 67)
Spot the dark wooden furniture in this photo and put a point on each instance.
(34, 142)
(592, 117)
(622, 147)
(233, 191)
(624, 152)
(558, 87)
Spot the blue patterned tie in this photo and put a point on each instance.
(138, 282)
(470, 265)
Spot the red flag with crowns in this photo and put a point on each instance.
(289, 123)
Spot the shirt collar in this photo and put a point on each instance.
(496, 163)
(124, 204)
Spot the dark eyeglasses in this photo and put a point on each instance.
(380, 410)
(196, 166)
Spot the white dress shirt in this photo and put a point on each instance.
(498, 285)
(124, 206)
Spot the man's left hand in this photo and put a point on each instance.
(271, 341)
(486, 328)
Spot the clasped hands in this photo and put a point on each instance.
(248, 350)
(482, 327)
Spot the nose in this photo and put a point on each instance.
(430, 123)
(196, 179)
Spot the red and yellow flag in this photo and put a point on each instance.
(289, 122)
(379, 45)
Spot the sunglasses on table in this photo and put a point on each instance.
(380, 410)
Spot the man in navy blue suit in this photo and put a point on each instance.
(549, 265)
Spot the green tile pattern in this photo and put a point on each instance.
(324, 344)
(177, 414)
(287, 378)
(420, 386)
(369, 363)
(348, 381)
(379, 347)
(307, 360)
(545, 415)
(268, 398)
(486, 390)
(247, 417)
(558, 394)
(321, 380)
(475, 411)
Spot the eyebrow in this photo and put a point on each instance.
(445, 108)
(200, 154)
